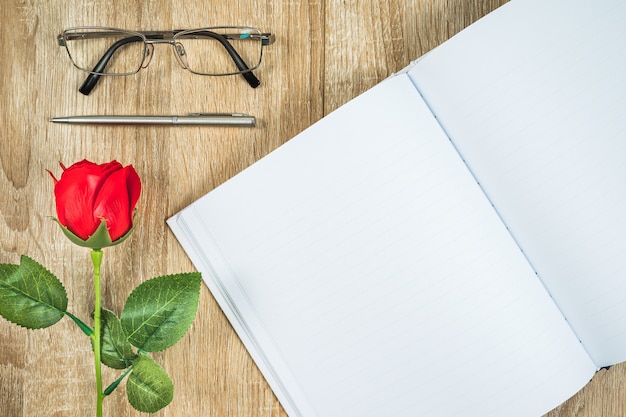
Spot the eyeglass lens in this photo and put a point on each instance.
(213, 51)
(87, 47)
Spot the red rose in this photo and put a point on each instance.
(96, 203)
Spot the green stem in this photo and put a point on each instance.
(96, 258)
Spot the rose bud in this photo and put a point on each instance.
(95, 204)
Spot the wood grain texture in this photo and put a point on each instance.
(326, 53)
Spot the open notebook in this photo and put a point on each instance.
(450, 243)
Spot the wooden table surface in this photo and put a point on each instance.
(326, 52)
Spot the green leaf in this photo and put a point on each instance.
(81, 324)
(30, 295)
(116, 351)
(149, 388)
(159, 311)
(100, 239)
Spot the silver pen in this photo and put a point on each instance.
(193, 119)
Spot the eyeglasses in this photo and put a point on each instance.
(224, 50)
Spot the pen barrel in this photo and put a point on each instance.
(191, 120)
(124, 120)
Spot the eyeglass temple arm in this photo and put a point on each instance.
(92, 79)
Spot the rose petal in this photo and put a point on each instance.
(76, 193)
(133, 182)
(116, 201)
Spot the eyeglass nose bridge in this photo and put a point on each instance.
(179, 51)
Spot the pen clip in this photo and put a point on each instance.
(216, 114)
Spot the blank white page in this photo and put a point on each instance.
(534, 98)
(369, 276)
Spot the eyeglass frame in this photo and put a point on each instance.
(150, 38)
